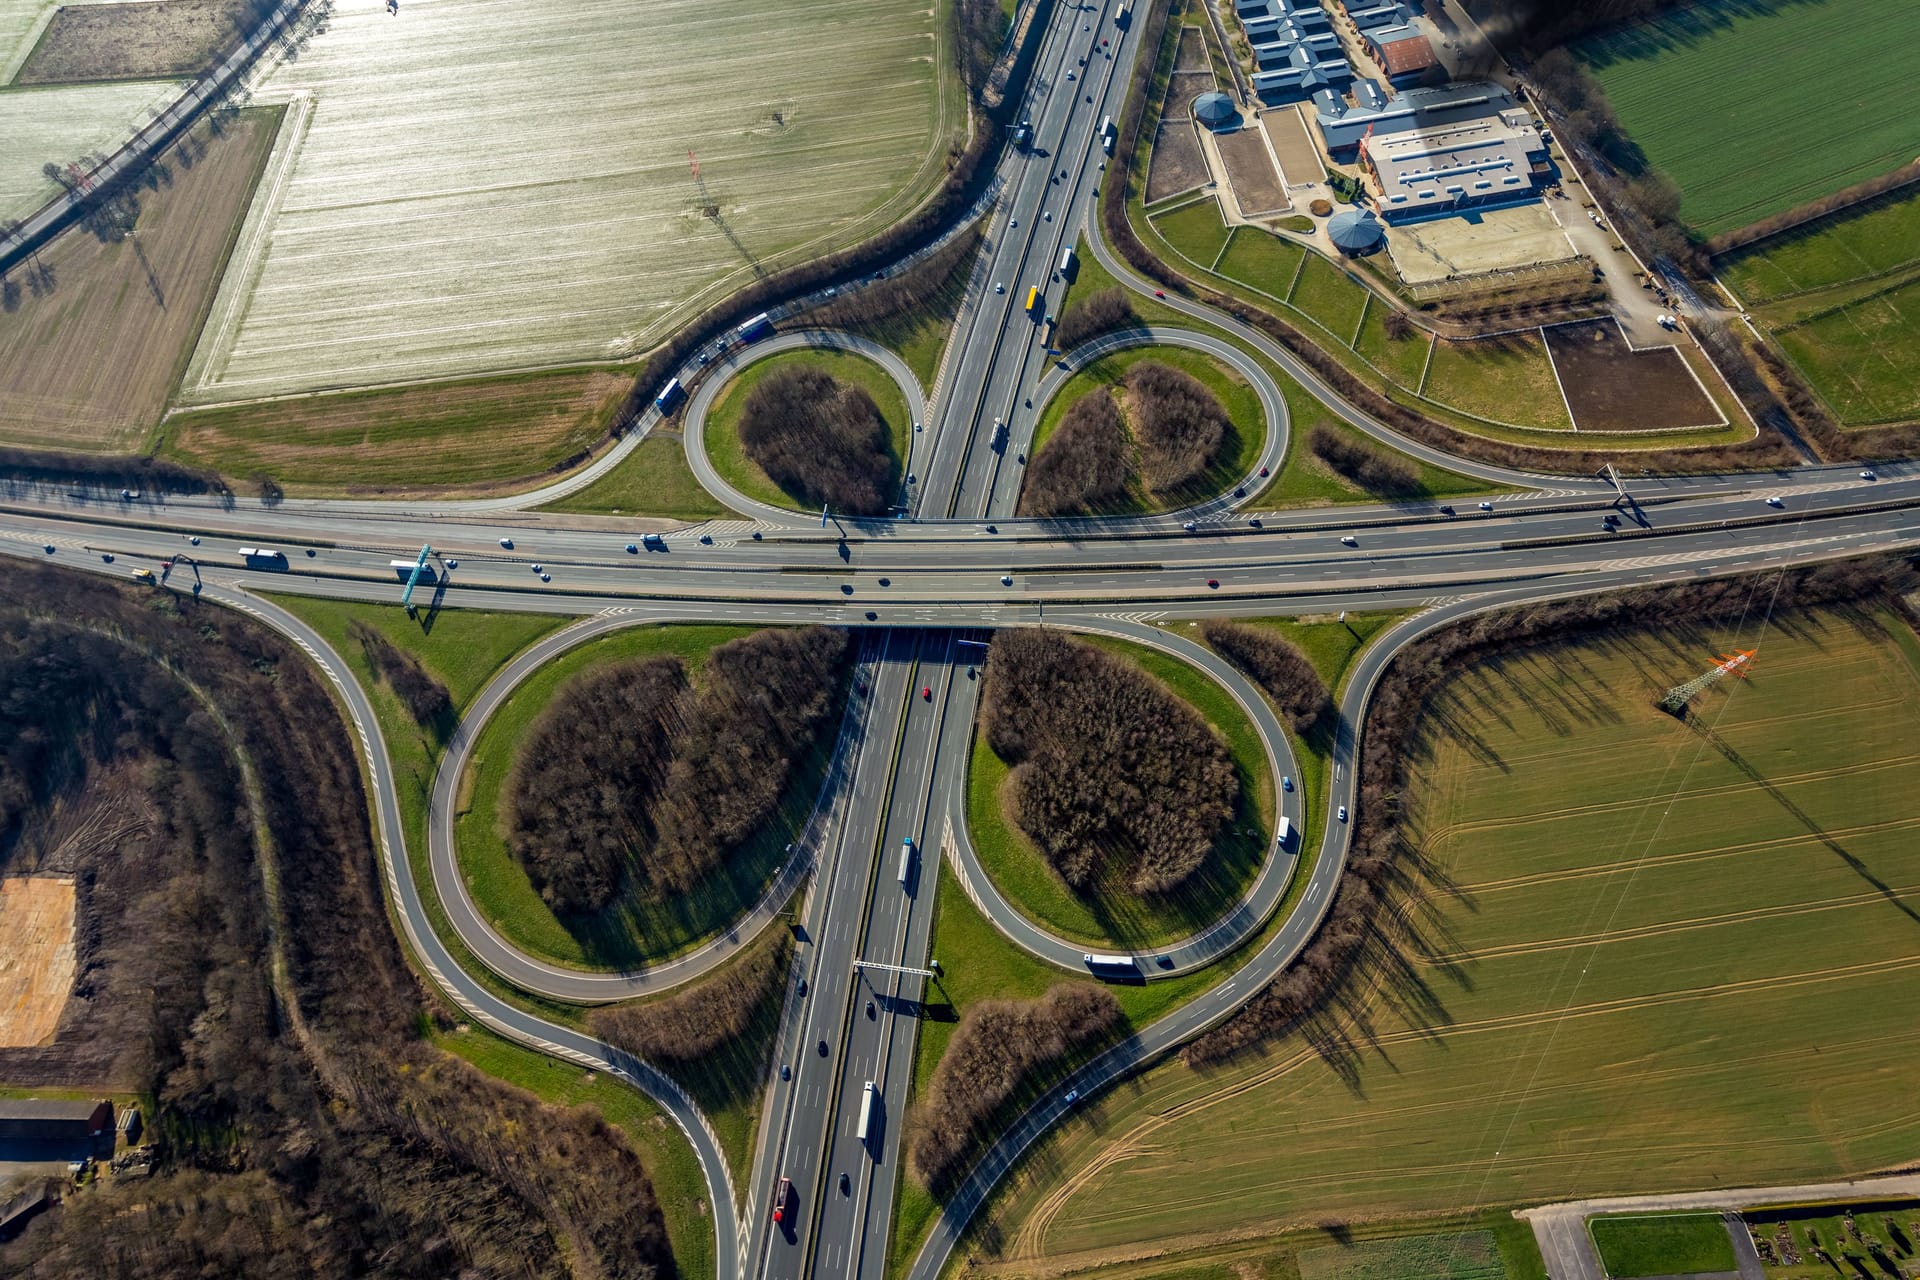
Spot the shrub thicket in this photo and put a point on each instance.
(582, 792)
(1178, 424)
(1101, 311)
(1363, 465)
(1277, 666)
(1111, 771)
(704, 1021)
(999, 1047)
(424, 697)
(820, 440)
(1084, 464)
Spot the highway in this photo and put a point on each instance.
(923, 592)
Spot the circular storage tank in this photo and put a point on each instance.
(1356, 231)
(1215, 110)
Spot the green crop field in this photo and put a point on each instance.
(1505, 379)
(1861, 357)
(1632, 955)
(498, 187)
(1667, 1244)
(1326, 293)
(1868, 240)
(1756, 108)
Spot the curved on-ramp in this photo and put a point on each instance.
(1238, 922)
(584, 986)
(694, 435)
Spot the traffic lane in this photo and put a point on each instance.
(836, 1241)
(256, 525)
(885, 678)
(1015, 545)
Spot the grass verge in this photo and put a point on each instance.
(1671, 1244)
(653, 480)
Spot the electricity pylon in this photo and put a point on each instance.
(1676, 699)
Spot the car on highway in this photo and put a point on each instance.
(786, 1072)
(1072, 1096)
(870, 1011)
(1349, 540)
(1254, 521)
(1868, 474)
(1774, 501)
(506, 544)
(1047, 216)
(1446, 510)
(453, 564)
(143, 575)
(1286, 783)
(1343, 813)
(1486, 506)
(633, 549)
(1213, 584)
(823, 1048)
(998, 287)
(780, 1194)
(546, 577)
(1158, 294)
(128, 495)
(1189, 526)
(803, 982)
(194, 540)
(1006, 579)
(1072, 74)
(846, 1185)
(537, 568)
(926, 692)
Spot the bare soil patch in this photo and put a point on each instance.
(1299, 157)
(1256, 184)
(151, 40)
(94, 333)
(1176, 164)
(36, 956)
(1611, 387)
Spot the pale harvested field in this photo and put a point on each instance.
(1636, 955)
(141, 40)
(91, 347)
(60, 123)
(37, 956)
(490, 184)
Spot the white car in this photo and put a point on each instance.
(1349, 541)
(1343, 813)
(998, 287)
(1072, 74)
(1073, 1096)
(506, 544)
(1775, 502)
(1486, 506)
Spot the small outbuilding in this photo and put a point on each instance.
(1356, 232)
(1216, 111)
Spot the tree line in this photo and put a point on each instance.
(633, 781)
(1083, 468)
(424, 697)
(1387, 746)
(1102, 311)
(302, 1123)
(700, 1023)
(1112, 773)
(1275, 664)
(1000, 1050)
(820, 439)
(1361, 464)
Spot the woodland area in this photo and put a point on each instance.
(820, 440)
(999, 1047)
(1112, 773)
(632, 779)
(303, 1126)
(1083, 467)
(1393, 719)
(1178, 424)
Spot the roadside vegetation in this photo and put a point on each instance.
(998, 1045)
(825, 426)
(653, 480)
(1091, 314)
(911, 310)
(647, 800)
(1114, 778)
(1283, 673)
(1146, 429)
(821, 441)
(1551, 824)
(297, 1107)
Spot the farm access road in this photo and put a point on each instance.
(1561, 1229)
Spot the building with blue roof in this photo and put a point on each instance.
(1369, 96)
(1414, 109)
(1375, 14)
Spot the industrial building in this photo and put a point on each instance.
(34, 1129)
(1403, 51)
(1421, 108)
(1434, 169)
